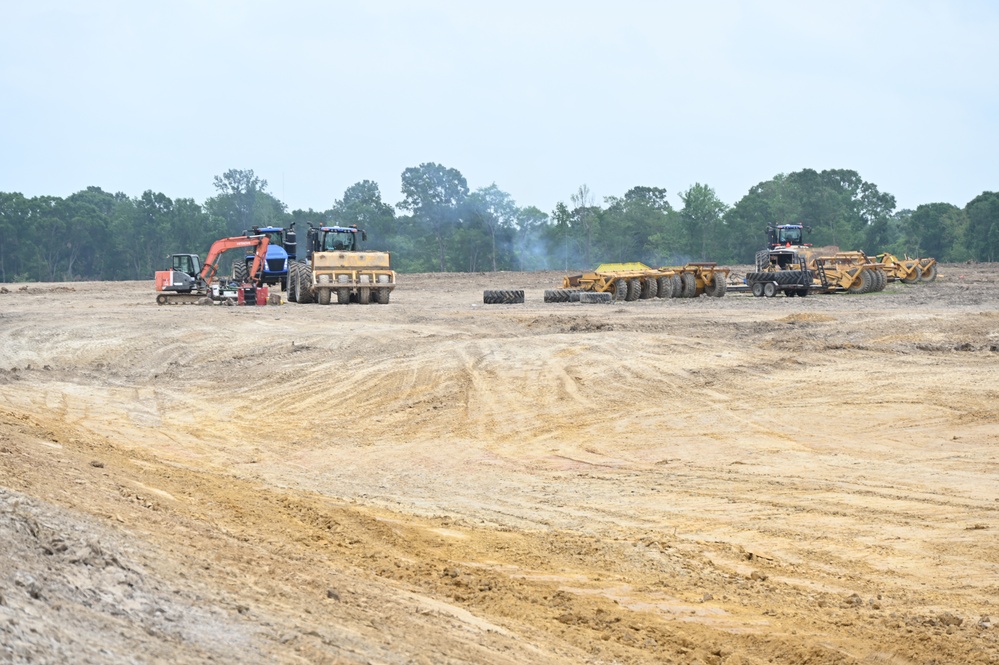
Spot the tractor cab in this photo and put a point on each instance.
(335, 239)
(786, 235)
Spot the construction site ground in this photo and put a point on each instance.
(730, 480)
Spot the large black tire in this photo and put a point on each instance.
(363, 295)
(929, 273)
(717, 287)
(382, 295)
(557, 295)
(304, 287)
(769, 289)
(502, 297)
(862, 283)
(914, 276)
(239, 271)
(677, 285)
(620, 289)
(688, 280)
(665, 285)
(590, 297)
(343, 296)
(650, 288)
(291, 291)
(634, 290)
(757, 289)
(323, 296)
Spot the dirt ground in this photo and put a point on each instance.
(730, 480)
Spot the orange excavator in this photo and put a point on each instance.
(189, 281)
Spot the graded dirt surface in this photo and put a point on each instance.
(720, 480)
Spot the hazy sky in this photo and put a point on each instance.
(538, 97)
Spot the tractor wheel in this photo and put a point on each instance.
(802, 292)
(650, 288)
(620, 289)
(304, 285)
(913, 276)
(757, 289)
(343, 296)
(665, 285)
(382, 295)
(557, 295)
(769, 289)
(291, 288)
(882, 279)
(929, 273)
(324, 296)
(791, 293)
(677, 285)
(634, 290)
(717, 286)
(364, 295)
(239, 271)
(688, 280)
(861, 283)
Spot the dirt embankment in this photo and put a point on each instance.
(733, 480)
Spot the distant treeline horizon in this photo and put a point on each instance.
(442, 226)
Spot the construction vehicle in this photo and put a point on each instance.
(694, 279)
(281, 252)
(190, 281)
(624, 281)
(334, 264)
(791, 266)
(908, 271)
(637, 281)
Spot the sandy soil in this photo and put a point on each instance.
(735, 480)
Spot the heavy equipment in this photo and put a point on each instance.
(281, 252)
(792, 266)
(637, 281)
(908, 271)
(335, 264)
(189, 281)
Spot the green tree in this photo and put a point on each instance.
(435, 194)
(982, 235)
(702, 217)
(494, 211)
(640, 226)
(362, 206)
(243, 202)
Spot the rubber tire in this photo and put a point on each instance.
(769, 289)
(343, 296)
(590, 297)
(323, 296)
(650, 288)
(498, 297)
(557, 295)
(757, 289)
(689, 282)
(665, 287)
(862, 284)
(364, 295)
(677, 285)
(718, 285)
(916, 275)
(620, 289)
(239, 272)
(802, 292)
(304, 286)
(634, 290)
(382, 295)
(291, 291)
(929, 273)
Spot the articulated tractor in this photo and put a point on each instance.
(335, 265)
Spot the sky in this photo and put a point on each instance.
(538, 97)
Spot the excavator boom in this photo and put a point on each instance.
(219, 247)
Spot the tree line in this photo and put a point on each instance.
(440, 225)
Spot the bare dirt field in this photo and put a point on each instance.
(727, 480)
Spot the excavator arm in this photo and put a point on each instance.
(210, 269)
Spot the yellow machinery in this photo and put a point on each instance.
(637, 281)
